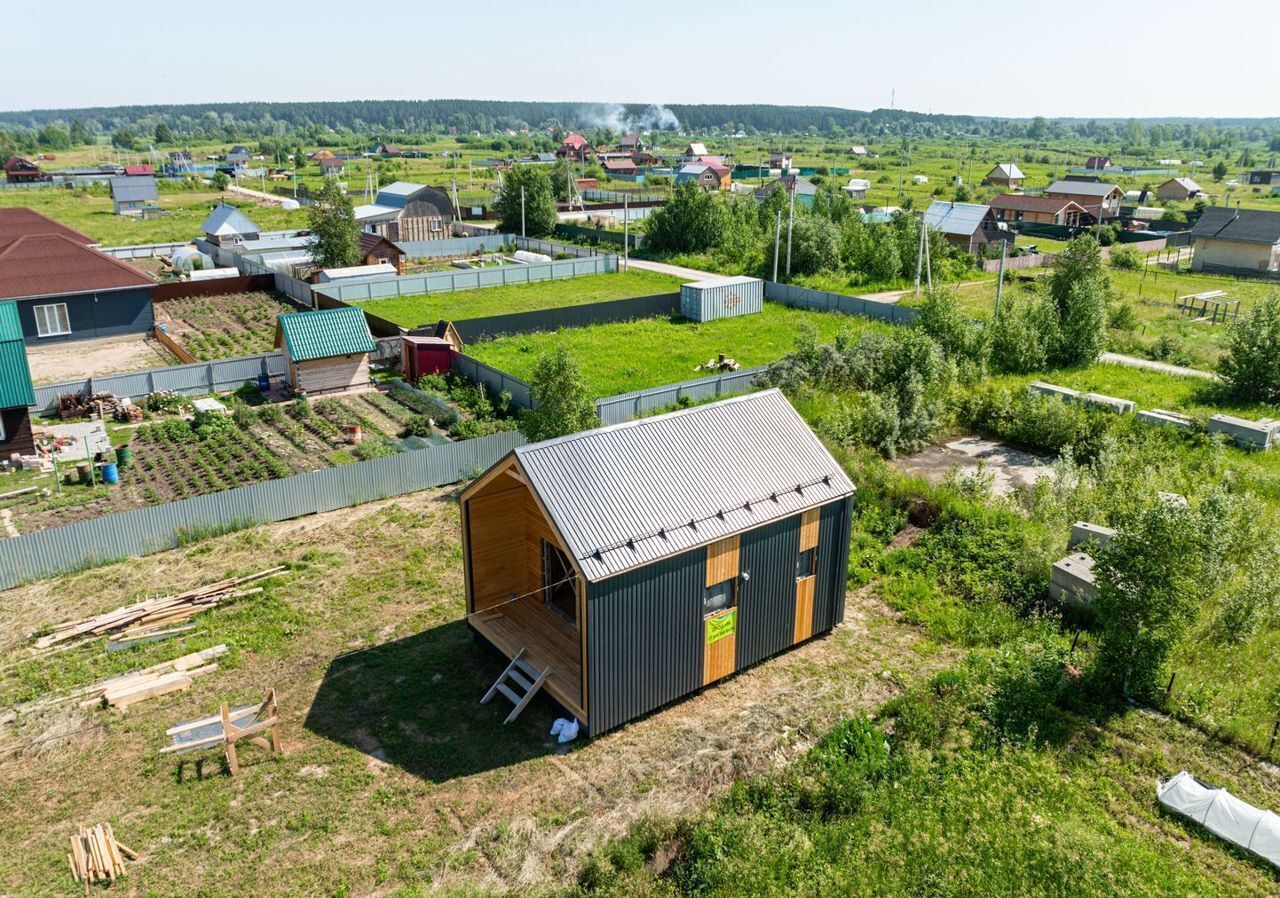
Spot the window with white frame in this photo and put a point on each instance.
(52, 320)
(3, 436)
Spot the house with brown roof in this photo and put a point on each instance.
(21, 170)
(575, 148)
(1016, 208)
(63, 288)
(619, 166)
(1097, 163)
(1236, 241)
(376, 249)
(1101, 200)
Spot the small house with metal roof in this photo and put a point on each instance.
(1100, 199)
(404, 211)
(131, 195)
(327, 350)
(1006, 175)
(16, 394)
(1178, 190)
(623, 568)
(1236, 241)
(966, 226)
(228, 226)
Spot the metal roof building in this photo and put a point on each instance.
(327, 350)
(631, 565)
(131, 193)
(228, 224)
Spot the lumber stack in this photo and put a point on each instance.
(152, 618)
(159, 679)
(96, 856)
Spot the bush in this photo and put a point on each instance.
(1126, 258)
(1034, 421)
(1253, 345)
(164, 402)
(418, 426)
(1022, 335)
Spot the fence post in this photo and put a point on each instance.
(151, 382)
(209, 369)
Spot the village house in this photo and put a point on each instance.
(1006, 175)
(1097, 163)
(16, 394)
(703, 541)
(21, 170)
(133, 195)
(780, 161)
(378, 250)
(404, 211)
(1233, 240)
(62, 287)
(1178, 190)
(632, 143)
(708, 175)
(967, 226)
(1052, 210)
(226, 225)
(1099, 199)
(805, 190)
(575, 148)
(619, 166)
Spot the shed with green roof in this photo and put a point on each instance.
(16, 394)
(327, 350)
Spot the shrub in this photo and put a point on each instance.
(1022, 335)
(564, 403)
(1126, 258)
(1253, 345)
(164, 402)
(418, 426)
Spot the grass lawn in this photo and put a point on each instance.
(649, 352)
(413, 311)
(90, 211)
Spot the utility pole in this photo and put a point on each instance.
(1004, 247)
(626, 229)
(791, 220)
(522, 234)
(920, 250)
(777, 240)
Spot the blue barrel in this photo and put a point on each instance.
(264, 383)
(110, 473)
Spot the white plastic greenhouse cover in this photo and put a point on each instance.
(1224, 815)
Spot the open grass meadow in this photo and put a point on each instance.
(413, 311)
(649, 352)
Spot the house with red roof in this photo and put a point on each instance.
(1016, 208)
(64, 288)
(138, 171)
(575, 148)
(21, 170)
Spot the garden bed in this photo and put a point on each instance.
(649, 352)
(227, 326)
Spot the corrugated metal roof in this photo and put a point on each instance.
(630, 494)
(368, 212)
(15, 376)
(397, 193)
(1242, 225)
(226, 221)
(324, 334)
(1006, 170)
(955, 218)
(53, 264)
(1080, 188)
(130, 189)
(721, 281)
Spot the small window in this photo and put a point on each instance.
(719, 597)
(52, 320)
(805, 563)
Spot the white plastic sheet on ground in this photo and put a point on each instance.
(1224, 815)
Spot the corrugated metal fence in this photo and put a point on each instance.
(472, 330)
(189, 380)
(454, 246)
(145, 251)
(804, 298)
(463, 279)
(144, 531)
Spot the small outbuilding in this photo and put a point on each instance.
(966, 226)
(131, 195)
(16, 394)
(721, 297)
(1178, 190)
(378, 250)
(629, 566)
(228, 226)
(327, 350)
(1006, 175)
(1236, 241)
(420, 356)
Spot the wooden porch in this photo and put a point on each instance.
(548, 640)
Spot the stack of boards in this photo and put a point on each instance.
(151, 618)
(159, 679)
(96, 856)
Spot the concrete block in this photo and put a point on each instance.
(1071, 580)
(1158, 417)
(1044, 389)
(1083, 533)
(1109, 403)
(1246, 433)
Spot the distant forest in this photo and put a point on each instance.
(335, 123)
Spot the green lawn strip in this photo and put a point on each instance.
(412, 311)
(649, 352)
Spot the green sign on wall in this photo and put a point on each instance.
(724, 625)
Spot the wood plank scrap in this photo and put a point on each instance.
(154, 615)
(96, 856)
(158, 679)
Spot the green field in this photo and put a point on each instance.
(90, 211)
(649, 352)
(413, 311)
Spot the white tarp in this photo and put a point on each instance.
(1224, 815)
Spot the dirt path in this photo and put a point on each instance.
(692, 274)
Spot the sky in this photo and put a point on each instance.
(1084, 59)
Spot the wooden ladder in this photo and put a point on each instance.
(525, 682)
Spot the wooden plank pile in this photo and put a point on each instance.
(152, 618)
(96, 856)
(159, 679)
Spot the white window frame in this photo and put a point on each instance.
(41, 311)
(3, 435)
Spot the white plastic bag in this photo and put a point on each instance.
(559, 725)
(569, 731)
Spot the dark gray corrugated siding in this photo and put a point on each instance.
(833, 564)
(767, 601)
(644, 639)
